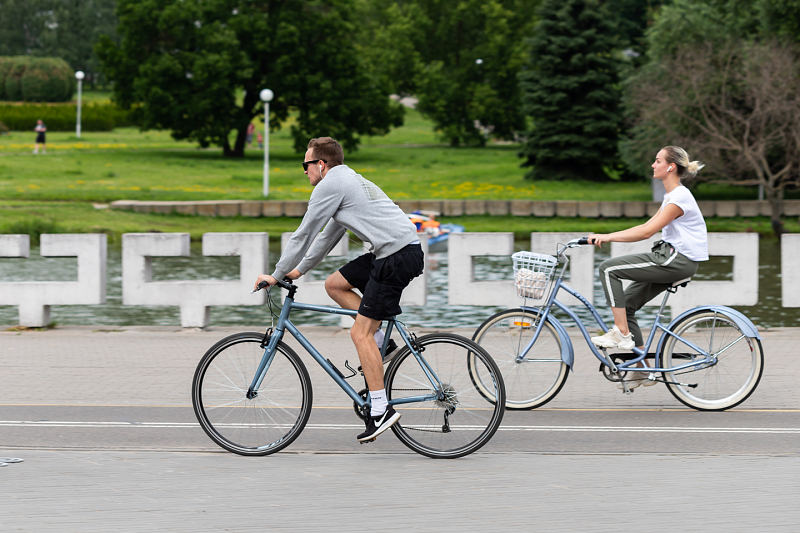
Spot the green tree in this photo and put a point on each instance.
(570, 92)
(460, 59)
(196, 67)
(57, 28)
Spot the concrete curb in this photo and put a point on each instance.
(561, 208)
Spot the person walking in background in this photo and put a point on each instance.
(40, 139)
(674, 258)
(260, 140)
(343, 200)
(250, 129)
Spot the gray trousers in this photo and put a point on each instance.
(652, 273)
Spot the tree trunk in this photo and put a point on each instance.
(775, 199)
(238, 147)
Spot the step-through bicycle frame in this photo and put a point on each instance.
(567, 354)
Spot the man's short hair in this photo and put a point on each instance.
(328, 149)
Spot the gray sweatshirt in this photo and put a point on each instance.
(342, 201)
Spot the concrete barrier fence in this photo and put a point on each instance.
(194, 297)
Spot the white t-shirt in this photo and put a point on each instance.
(687, 233)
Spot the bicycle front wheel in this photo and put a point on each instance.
(712, 386)
(265, 423)
(449, 417)
(535, 379)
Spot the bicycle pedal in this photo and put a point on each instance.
(368, 441)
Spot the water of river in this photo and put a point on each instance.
(768, 312)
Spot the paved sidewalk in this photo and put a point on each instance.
(155, 365)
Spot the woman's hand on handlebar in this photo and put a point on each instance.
(598, 239)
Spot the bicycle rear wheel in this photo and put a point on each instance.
(261, 425)
(459, 419)
(717, 386)
(540, 375)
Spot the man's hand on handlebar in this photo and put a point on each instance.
(263, 281)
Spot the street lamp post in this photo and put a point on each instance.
(266, 97)
(79, 76)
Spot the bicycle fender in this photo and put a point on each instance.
(744, 323)
(567, 351)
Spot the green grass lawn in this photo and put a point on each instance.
(57, 190)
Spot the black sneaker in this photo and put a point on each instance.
(378, 424)
(391, 351)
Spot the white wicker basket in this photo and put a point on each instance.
(532, 273)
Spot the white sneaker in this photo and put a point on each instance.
(614, 339)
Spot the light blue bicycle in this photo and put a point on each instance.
(252, 394)
(710, 357)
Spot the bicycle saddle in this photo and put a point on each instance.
(681, 283)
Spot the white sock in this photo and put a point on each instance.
(379, 338)
(378, 402)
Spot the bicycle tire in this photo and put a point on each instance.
(461, 420)
(262, 425)
(541, 375)
(728, 382)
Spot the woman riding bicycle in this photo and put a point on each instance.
(684, 244)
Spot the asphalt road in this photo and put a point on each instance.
(104, 425)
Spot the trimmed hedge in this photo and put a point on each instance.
(36, 79)
(61, 117)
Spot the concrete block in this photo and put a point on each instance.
(206, 209)
(229, 208)
(15, 245)
(163, 208)
(708, 208)
(611, 209)
(193, 296)
(186, 208)
(651, 208)
(453, 208)
(251, 209)
(790, 274)
(408, 205)
(634, 209)
(295, 208)
(791, 208)
(272, 208)
(544, 209)
(431, 205)
(474, 207)
(497, 207)
(741, 290)
(726, 208)
(750, 208)
(521, 208)
(126, 205)
(143, 207)
(34, 298)
(462, 288)
(566, 208)
(589, 209)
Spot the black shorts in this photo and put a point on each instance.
(381, 281)
(39, 138)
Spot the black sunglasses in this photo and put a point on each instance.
(311, 162)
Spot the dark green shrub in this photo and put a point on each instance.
(61, 117)
(36, 79)
(5, 67)
(47, 79)
(13, 80)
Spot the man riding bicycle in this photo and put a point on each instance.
(343, 200)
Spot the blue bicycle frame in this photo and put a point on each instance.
(285, 324)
